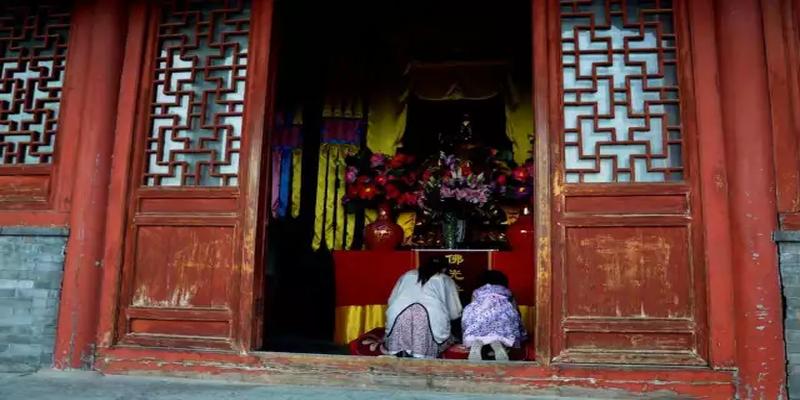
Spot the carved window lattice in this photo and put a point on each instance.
(621, 98)
(197, 112)
(33, 57)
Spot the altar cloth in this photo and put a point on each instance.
(364, 281)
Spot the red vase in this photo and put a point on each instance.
(520, 233)
(383, 234)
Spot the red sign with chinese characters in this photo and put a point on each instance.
(464, 266)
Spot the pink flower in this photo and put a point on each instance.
(351, 175)
(377, 160)
(446, 193)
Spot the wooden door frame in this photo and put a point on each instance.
(546, 102)
(545, 106)
(700, 109)
(126, 170)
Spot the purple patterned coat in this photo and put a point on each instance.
(492, 316)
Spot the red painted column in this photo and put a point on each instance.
(78, 311)
(746, 120)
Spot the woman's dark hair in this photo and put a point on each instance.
(494, 277)
(434, 266)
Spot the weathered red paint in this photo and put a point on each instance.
(746, 118)
(744, 330)
(714, 188)
(519, 378)
(120, 170)
(78, 308)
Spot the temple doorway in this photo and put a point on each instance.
(396, 86)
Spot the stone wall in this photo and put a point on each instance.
(31, 268)
(789, 248)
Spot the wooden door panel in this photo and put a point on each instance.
(628, 276)
(627, 272)
(188, 270)
(184, 267)
(629, 290)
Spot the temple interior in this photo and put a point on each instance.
(393, 77)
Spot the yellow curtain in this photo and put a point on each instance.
(330, 225)
(458, 81)
(386, 122)
(297, 180)
(519, 127)
(388, 107)
(353, 321)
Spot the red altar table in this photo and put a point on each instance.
(365, 279)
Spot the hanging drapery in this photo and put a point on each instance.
(458, 80)
(388, 106)
(342, 130)
(386, 120)
(333, 227)
(519, 126)
(286, 164)
(297, 180)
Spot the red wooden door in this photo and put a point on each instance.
(628, 275)
(189, 265)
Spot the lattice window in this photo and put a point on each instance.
(195, 129)
(621, 98)
(33, 52)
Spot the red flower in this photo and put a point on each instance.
(397, 161)
(493, 152)
(381, 180)
(392, 192)
(409, 198)
(363, 180)
(466, 170)
(410, 179)
(367, 192)
(352, 191)
(501, 180)
(520, 173)
(426, 175)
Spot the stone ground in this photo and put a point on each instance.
(58, 385)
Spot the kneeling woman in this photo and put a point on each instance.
(422, 305)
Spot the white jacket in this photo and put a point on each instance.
(439, 296)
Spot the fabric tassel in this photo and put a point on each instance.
(330, 197)
(297, 180)
(285, 182)
(275, 181)
(319, 210)
(341, 190)
(330, 225)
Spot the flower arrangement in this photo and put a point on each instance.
(513, 184)
(446, 190)
(450, 184)
(374, 179)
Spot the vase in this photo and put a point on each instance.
(520, 233)
(383, 234)
(454, 230)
